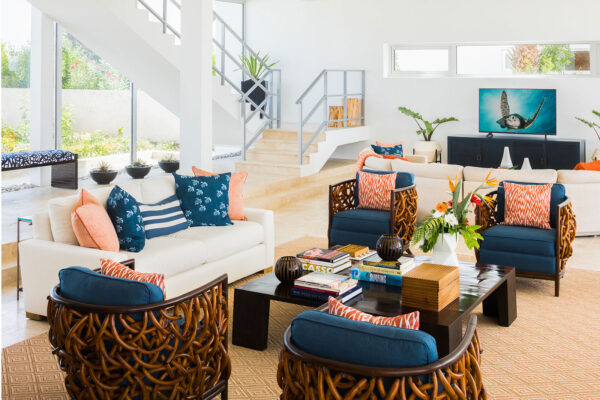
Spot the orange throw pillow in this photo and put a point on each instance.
(406, 321)
(589, 166)
(527, 205)
(236, 192)
(92, 225)
(113, 268)
(374, 190)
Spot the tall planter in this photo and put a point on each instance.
(444, 251)
(432, 149)
(257, 95)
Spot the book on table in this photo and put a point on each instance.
(320, 296)
(308, 265)
(325, 255)
(354, 250)
(325, 281)
(366, 276)
(388, 267)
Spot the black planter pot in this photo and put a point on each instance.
(138, 172)
(390, 247)
(169, 166)
(258, 94)
(103, 177)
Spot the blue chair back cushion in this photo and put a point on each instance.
(557, 196)
(90, 287)
(396, 150)
(403, 179)
(361, 343)
(125, 215)
(204, 199)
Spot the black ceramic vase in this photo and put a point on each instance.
(288, 269)
(390, 247)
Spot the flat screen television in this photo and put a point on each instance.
(524, 111)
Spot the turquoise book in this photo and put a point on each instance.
(365, 276)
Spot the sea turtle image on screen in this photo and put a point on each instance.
(515, 121)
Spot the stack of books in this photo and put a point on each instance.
(324, 260)
(320, 285)
(386, 272)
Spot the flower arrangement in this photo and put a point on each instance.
(451, 216)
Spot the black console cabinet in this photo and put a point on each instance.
(481, 151)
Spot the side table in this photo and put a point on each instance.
(29, 221)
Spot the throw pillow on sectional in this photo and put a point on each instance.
(396, 150)
(204, 199)
(127, 220)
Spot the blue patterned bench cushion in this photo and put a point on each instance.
(40, 158)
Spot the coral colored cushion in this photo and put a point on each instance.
(374, 190)
(114, 269)
(590, 166)
(236, 192)
(92, 225)
(406, 321)
(527, 205)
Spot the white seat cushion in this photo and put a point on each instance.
(223, 241)
(169, 255)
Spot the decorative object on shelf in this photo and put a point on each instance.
(390, 247)
(427, 147)
(526, 164)
(288, 269)
(256, 66)
(506, 162)
(169, 164)
(596, 127)
(139, 169)
(450, 219)
(103, 174)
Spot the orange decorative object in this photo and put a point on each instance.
(236, 192)
(117, 270)
(527, 205)
(390, 145)
(406, 321)
(92, 225)
(590, 166)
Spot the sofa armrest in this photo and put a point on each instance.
(403, 213)
(42, 259)
(266, 219)
(416, 158)
(566, 229)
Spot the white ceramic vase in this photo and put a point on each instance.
(444, 251)
(506, 160)
(428, 149)
(526, 164)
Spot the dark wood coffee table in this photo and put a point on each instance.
(492, 285)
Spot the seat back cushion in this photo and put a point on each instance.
(557, 196)
(92, 225)
(374, 190)
(204, 199)
(90, 287)
(403, 179)
(361, 343)
(125, 215)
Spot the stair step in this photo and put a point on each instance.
(261, 167)
(290, 134)
(276, 157)
(283, 145)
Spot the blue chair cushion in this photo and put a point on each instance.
(520, 239)
(90, 287)
(362, 220)
(204, 199)
(125, 215)
(361, 343)
(557, 196)
(396, 150)
(403, 179)
(521, 262)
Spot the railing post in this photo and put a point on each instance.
(325, 109)
(223, 54)
(362, 106)
(243, 119)
(301, 123)
(345, 105)
(271, 89)
(279, 99)
(164, 15)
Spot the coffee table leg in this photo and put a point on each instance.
(502, 303)
(250, 320)
(446, 337)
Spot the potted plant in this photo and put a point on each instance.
(449, 219)
(103, 174)
(138, 169)
(427, 147)
(595, 126)
(256, 66)
(169, 164)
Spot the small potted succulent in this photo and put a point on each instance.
(169, 164)
(139, 169)
(103, 174)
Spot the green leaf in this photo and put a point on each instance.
(444, 120)
(410, 113)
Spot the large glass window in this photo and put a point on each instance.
(423, 60)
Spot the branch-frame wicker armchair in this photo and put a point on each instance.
(457, 376)
(400, 220)
(175, 349)
(566, 228)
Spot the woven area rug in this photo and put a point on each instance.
(551, 351)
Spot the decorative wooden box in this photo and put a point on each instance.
(430, 286)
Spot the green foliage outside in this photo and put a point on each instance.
(15, 66)
(554, 58)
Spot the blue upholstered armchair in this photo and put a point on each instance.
(535, 253)
(330, 357)
(351, 225)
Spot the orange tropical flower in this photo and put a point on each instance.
(491, 181)
(489, 200)
(441, 207)
(451, 184)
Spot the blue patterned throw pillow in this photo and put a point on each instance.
(125, 215)
(389, 151)
(204, 199)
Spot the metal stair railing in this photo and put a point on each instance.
(323, 101)
(162, 16)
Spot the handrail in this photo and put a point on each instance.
(323, 100)
(162, 18)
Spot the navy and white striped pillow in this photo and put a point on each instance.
(163, 218)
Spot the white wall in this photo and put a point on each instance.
(308, 36)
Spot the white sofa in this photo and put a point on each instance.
(582, 187)
(188, 258)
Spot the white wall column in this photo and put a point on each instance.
(195, 82)
(41, 104)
